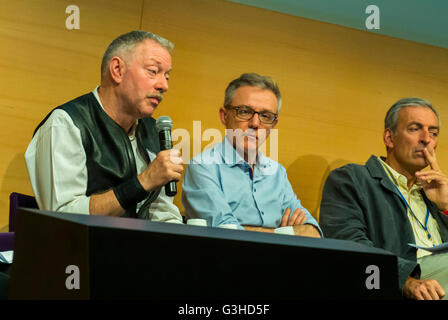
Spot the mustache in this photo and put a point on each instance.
(158, 96)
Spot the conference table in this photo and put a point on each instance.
(73, 256)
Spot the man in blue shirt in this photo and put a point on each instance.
(233, 182)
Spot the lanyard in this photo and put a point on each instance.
(425, 227)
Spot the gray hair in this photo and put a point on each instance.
(128, 41)
(253, 80)
(391, 120)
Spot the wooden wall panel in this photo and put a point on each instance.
(337, 83)
(43, 64)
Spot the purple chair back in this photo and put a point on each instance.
(17, 200)
(6, 241)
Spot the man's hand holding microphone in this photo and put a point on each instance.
(167, 167)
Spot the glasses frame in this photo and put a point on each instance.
(236, 108)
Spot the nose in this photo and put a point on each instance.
(162, 84)
(425, 137)
(254, 123)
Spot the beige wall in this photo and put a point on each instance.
(337, 83)
(42, 65)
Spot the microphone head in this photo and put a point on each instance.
(164, 123)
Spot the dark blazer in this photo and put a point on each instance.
(360, 203)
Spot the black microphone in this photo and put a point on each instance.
(163, 126)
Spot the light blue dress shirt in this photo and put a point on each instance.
(219, 186)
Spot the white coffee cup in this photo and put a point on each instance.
(197, 222)
(228, 226)
(285, 230)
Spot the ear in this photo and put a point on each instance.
(388, 138)
(222, 115)
(275, 123)
(116, 69)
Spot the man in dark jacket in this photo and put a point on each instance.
(390, 202)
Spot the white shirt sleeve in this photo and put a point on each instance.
(164, 210)
(56, 164)
(161, 209)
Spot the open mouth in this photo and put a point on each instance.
(155, 99)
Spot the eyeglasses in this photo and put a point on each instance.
(247, 113)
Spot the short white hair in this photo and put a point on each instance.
(128, 41)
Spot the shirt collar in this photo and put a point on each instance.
(229, 154)
(95, 93)
(233, 158)
(398, 179)
(130, 134)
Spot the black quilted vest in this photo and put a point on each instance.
(109, 157)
